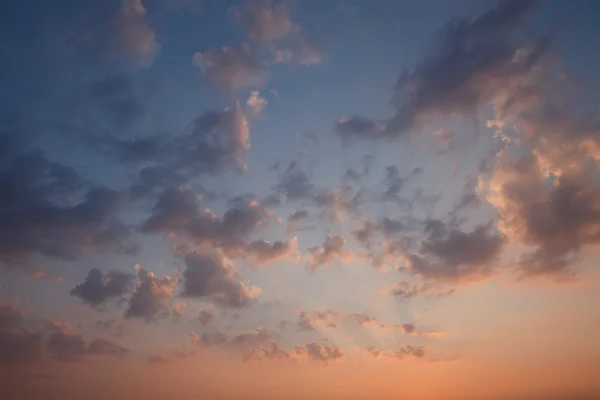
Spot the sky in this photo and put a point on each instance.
(299, 199)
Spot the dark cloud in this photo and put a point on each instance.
(451, 254)
(98, 287)
(263, 252)
(205, 317)
(295, 184)
(353, 127)
(20, 346)
(318, 352)
(17, 345)
(217, 140)
(557, 219)
(176, 213)
(472, 61)
(106, 33)
(36, 219)
(298, 216)
(407, 290)
(151, 297)
(410, 351)
(331, 249)
(309, 321)
(210, 275)
(256, 345)
(10, 317)
(66, 344)
(393, 182)
(387, 227)
(115, 97)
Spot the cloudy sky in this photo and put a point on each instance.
(297, 200)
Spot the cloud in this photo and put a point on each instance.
(209, 275)
(295, 184)
(407, 290)
(318, 352)
(298, 216)
(218, 140)
(354, 127)
(33, 224)
(263, 20)
(269, 23)
(255, 104)
(387, 227)
(20, 346)
(17, 345)
(405, 351)
(177, 214)
(555, 217)
(115, 96)
(264, 252)
(453, 255)
(10, 317)
(331, 249)
(257, 345)
(97, 287)
(136, 40)
(309, 322)
(205, 317)
(331, 318)
(410, 351)
(339, 202)
(151, 296)
(472, 63)
(66, 344)
(107, 33)
(232, 67)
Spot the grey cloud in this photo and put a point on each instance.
(97, 287)
(354, 127)
(457, 255)
(270, 23)
(263, 252)
(410, 351)
(331, 249)
(114, 95)
(298, 216)
(37, 222)
(106, 33)
(20, 346)
(394, 183)
(176, 212)
(66, 344)
(263, 20)
(295, 183)
(318, 352)
(557, 221)
(205, 317)
(209, 275)
(256, 345)
(151, 297)
(472, 61)
(231, 67)
(218, 140)
(407, 290)
(10, 317)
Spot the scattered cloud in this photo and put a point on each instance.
(97, 287)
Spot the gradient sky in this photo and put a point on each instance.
(337, 199)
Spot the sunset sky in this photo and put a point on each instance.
(334, 199)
